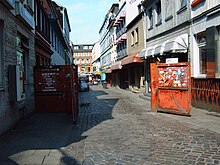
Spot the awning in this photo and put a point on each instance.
(116, 66)
(142, 53)
(131, 59)
(124, 36)
(195, 2)
(160, 48)
(119, 19)
(179, 44)
(146, 52)
(150, 51)
(123, 14)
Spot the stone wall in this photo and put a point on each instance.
(12, 112)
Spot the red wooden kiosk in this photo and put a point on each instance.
(56, 89)
(170, 84)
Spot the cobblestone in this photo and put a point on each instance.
(116, 127)
(121, 129)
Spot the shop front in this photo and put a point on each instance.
(116, 70)
(135, 72)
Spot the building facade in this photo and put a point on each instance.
(205, 54)
(135, 43)
(59, 38)
(42, 33)
(107, 46)
(17, 59)
(167, 32)
(96, 65)
(82, 55)
(119, 75)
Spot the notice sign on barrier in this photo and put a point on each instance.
(49, 81)
(56, 89)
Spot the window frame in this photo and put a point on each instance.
(183, 3)
(202, 49)
(132, 38)
(159, 11)
(150, 18)
(136, 35)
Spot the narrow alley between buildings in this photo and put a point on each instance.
(114, 127)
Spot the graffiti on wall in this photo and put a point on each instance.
(206, 93)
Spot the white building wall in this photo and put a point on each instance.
(204, 6)
(198, 25)
(132, 9)
(96, 52)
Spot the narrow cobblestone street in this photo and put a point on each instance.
(114, 127)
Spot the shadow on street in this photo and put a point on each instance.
(35, 137)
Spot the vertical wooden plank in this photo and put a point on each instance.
(154, 84)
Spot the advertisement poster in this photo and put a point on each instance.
(173, 76)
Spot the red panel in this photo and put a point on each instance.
(173, 89)
(175, 101)
(154, 84)
(56, 89)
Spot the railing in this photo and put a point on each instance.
(121, 54)
(120, 32)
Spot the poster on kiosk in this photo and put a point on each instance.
(172, 89)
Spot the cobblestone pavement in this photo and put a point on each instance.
(119, 128)
(115, 127)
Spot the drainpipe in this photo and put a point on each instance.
(146, 62)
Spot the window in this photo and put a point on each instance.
(76, 47)
(58, 46)
(150, 18)
(1, 52)
(203, 60)
(86, 47)
(132, 38)
(183, 3)
(158, 10)
(136, 36)
(52, 38)
(218, 53)
(87, 61)
(37, 14)
(202, 55)
(55, 41)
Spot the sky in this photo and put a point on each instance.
(86, 18)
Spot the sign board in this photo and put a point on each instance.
(171, 60)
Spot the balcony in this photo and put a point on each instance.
(24, 15)
(10, 4)
(120, 32)
(121, 54)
